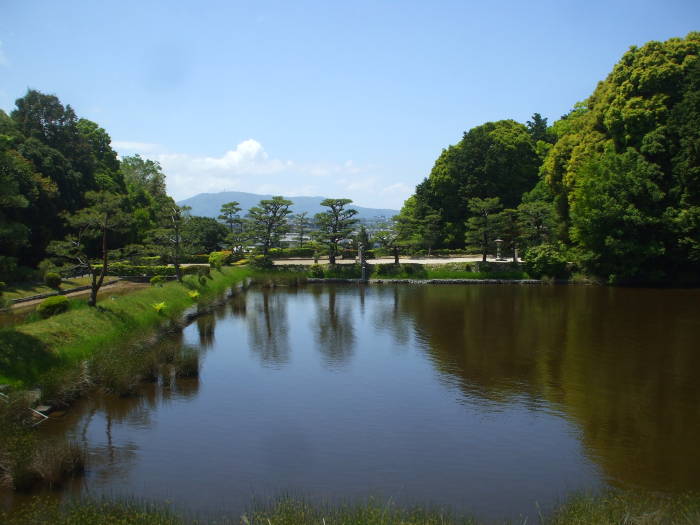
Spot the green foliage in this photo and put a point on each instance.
(496, 159)
(316, 271)
(260, 262)
(300, 226)
(159, 307)
(267, 222)
(625, 173)
(230, 216)
(54, 305)
(157, 280)
(545, 260)
(218, 259)
(128, 270)
(283, 253)
(194, 294)
(203, 234)
(407, 271)
(334, 225)
(53, 280)
(480, 227)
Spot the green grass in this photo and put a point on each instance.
(28, 351)
(20, 290)
(614, 508)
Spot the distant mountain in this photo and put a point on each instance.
(209, 204)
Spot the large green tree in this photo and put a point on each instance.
(335, 224)
(496, 159)
(625, 170)
(480, 226)
(102, 216)
(267, 222)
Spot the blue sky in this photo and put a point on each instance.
(348, 99)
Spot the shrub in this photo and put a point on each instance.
(8, 268)
(159, 307)
(46, 266)
(53, 306)
(545, 259)
(53, 280)
(261, 262)
(194, 294)
(306, 252)
(316, 271)
(128, 270)
(218, 259)
(401, 270)
(157, 280)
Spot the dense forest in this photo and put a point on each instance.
(611, 189)
(53, 164)
(612, 186)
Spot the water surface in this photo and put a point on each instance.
(486, 399)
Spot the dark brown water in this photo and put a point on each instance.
(487, 399)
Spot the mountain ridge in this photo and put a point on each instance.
(209, 204)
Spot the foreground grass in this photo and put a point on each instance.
(614, 508)
(20, 290)
(29, 351)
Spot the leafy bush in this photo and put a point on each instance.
(403, 270)
(8, 267)
(545, 259)
(46, 266)
(128, 270)
(218, 259)
(53, 280)
(316, 271)
(159, 307)
(343, 271)
(283, 253)
(261, 262)
(157, 280)
(53, 306)
(189, 259)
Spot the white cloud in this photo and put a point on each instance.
(399, 188)
(248, 167)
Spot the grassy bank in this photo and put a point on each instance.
(29, 351)
(68, 355)
(471, 270)
(614, 508)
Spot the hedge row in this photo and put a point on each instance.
(128, 270)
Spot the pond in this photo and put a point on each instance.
(488, 399)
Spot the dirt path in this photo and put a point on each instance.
(389, 260)
(120, 288)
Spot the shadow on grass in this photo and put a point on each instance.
(23, 357)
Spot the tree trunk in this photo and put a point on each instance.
(176, 257)
(331, 255)
(97, 281)
(396, 255)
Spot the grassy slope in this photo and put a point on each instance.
(30, 349)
